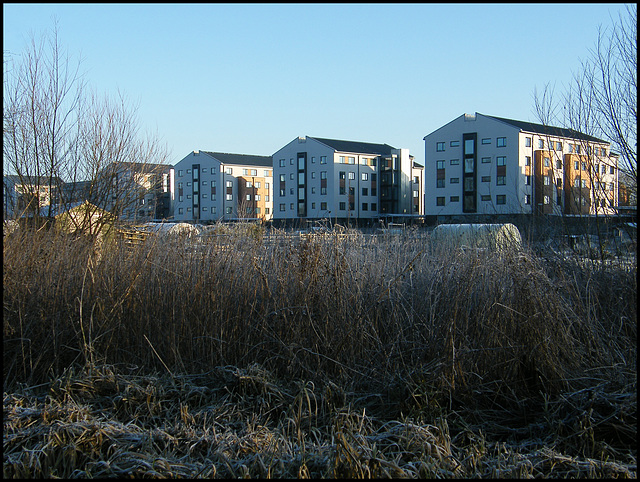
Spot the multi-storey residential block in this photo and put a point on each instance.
(317, 178)
(26, 194)
(136, 191)
(213, 186)
(480, 164)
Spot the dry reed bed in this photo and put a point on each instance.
(243, 422)
(388, 347)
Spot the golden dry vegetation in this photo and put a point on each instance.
(332, 356)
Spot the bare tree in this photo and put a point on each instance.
(84, 147)
(601, 100)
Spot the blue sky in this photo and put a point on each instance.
(249, 78)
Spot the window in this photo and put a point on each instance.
(439, 146)
(248, 184)
(527, 160)
(374, 206)
(454, 199)
(611, 170)
(454, 144)
(501, 160)
(583, 165)
(540, 143)
(282, 207)
(501, 199)
(486, 160)
(351, 160)
(527, 180)
(454, 180)
(469, 146)
(576, 165)
(440, 201)
(547, 162)
(229, 210)
(245, 172)
(323, 175)
(179, 172)
(342, 206)
(180, 211)
(583, 183)
(323, 191)
(527, 141)
(352, 175)
(439, 183)
(365, 206)
(558, 164)
(248, 197)
(342, 175)
(229, 197)
(468, 184)
(266, 173)
(291, 176)
(527, 198)
(610, 186)
(558, 146)
(323, 159)
(468, 165)
(323, 206)
(546, 199)
(486, 140)
(342, 160)
(604, 169)
(365, 176)
(365, 191)
(485, 179)
(547, 180)
(291, 161)
(576, 182)
(416, 179)
(485, 197)
(454, 162)
(439, 164)
(415, 193)
(558, 182)
(501, 180)
(501, 142)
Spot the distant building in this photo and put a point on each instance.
(480, 164)
(23, 195)
(139, 192)
(212, 186)
(318, 178)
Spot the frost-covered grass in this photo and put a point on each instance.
(326, 356)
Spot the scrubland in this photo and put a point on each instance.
(332, 356)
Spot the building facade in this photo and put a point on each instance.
(27, 194)
(212, 186)
(480, 164)
(317, 178)
(137, 192)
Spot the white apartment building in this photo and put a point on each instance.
(480, 164)
(211, 186)
(317, 178)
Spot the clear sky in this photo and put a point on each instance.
(249, 78)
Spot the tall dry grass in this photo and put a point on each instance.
(397, 325)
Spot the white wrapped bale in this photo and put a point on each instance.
(497, 237)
